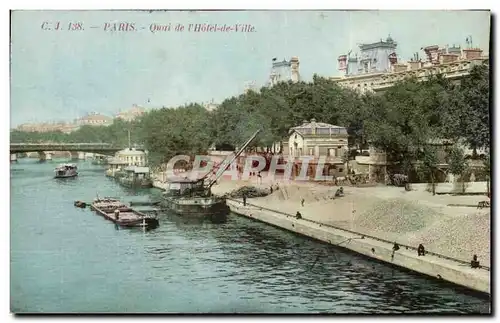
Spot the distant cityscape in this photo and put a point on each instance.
(376, 67)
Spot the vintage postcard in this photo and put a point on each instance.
(273, 162)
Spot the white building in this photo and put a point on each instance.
(319, 140)
(126, 157)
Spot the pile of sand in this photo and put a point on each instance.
(396, 215)
(459, 236)
(248, 191)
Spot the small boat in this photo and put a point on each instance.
(66, 170)
(121, 214)
(80, 204)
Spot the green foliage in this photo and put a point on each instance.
(457, 162)
(474, 108)
(401, 121)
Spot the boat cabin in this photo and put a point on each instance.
(185, 187)
(66, 170)
(115, 166)
(66, 167)
(137, 173)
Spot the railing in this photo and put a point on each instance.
(463, 262)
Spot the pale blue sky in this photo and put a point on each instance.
(61, 75)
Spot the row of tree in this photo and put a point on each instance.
(401, 120)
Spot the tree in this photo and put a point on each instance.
(475, 122)
(345, 160)
(487, 169)
(428, 166)
(458, 164)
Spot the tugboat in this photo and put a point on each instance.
(66, 170)
(188, 197)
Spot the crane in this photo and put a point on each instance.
(228, 161)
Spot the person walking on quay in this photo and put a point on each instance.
(244, 200)
(302, 202)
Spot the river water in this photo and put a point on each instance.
(65, 259)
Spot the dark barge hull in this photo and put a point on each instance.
(214, 211)
(147, 222)
(66, 176)
(135, 184)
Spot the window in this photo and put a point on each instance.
(295, 136)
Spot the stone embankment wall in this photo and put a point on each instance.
(438, 267)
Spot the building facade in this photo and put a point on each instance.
(317, 141)
(94, 119)
(372, 58)
(125, 158)
(131, 114)
(132, 157)
(47, 127)
(284, 71)
(377, 67)
(210, 106)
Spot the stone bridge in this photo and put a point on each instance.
(73, 148)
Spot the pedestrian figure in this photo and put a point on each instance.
(271, 189)
(244, 200)
(298, 216)
(302, 202)
(421, 250)
(394, 249)
(474, 262)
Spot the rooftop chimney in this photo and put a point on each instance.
(448, 58)
(414, 65)
(400, 67)
(342, 62)
(472, 53)
(432, 53)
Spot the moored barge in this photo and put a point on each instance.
(121, 214)
(194, 197)
(189, 197)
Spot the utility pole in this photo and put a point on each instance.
(129, 145)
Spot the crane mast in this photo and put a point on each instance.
(227, 162)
